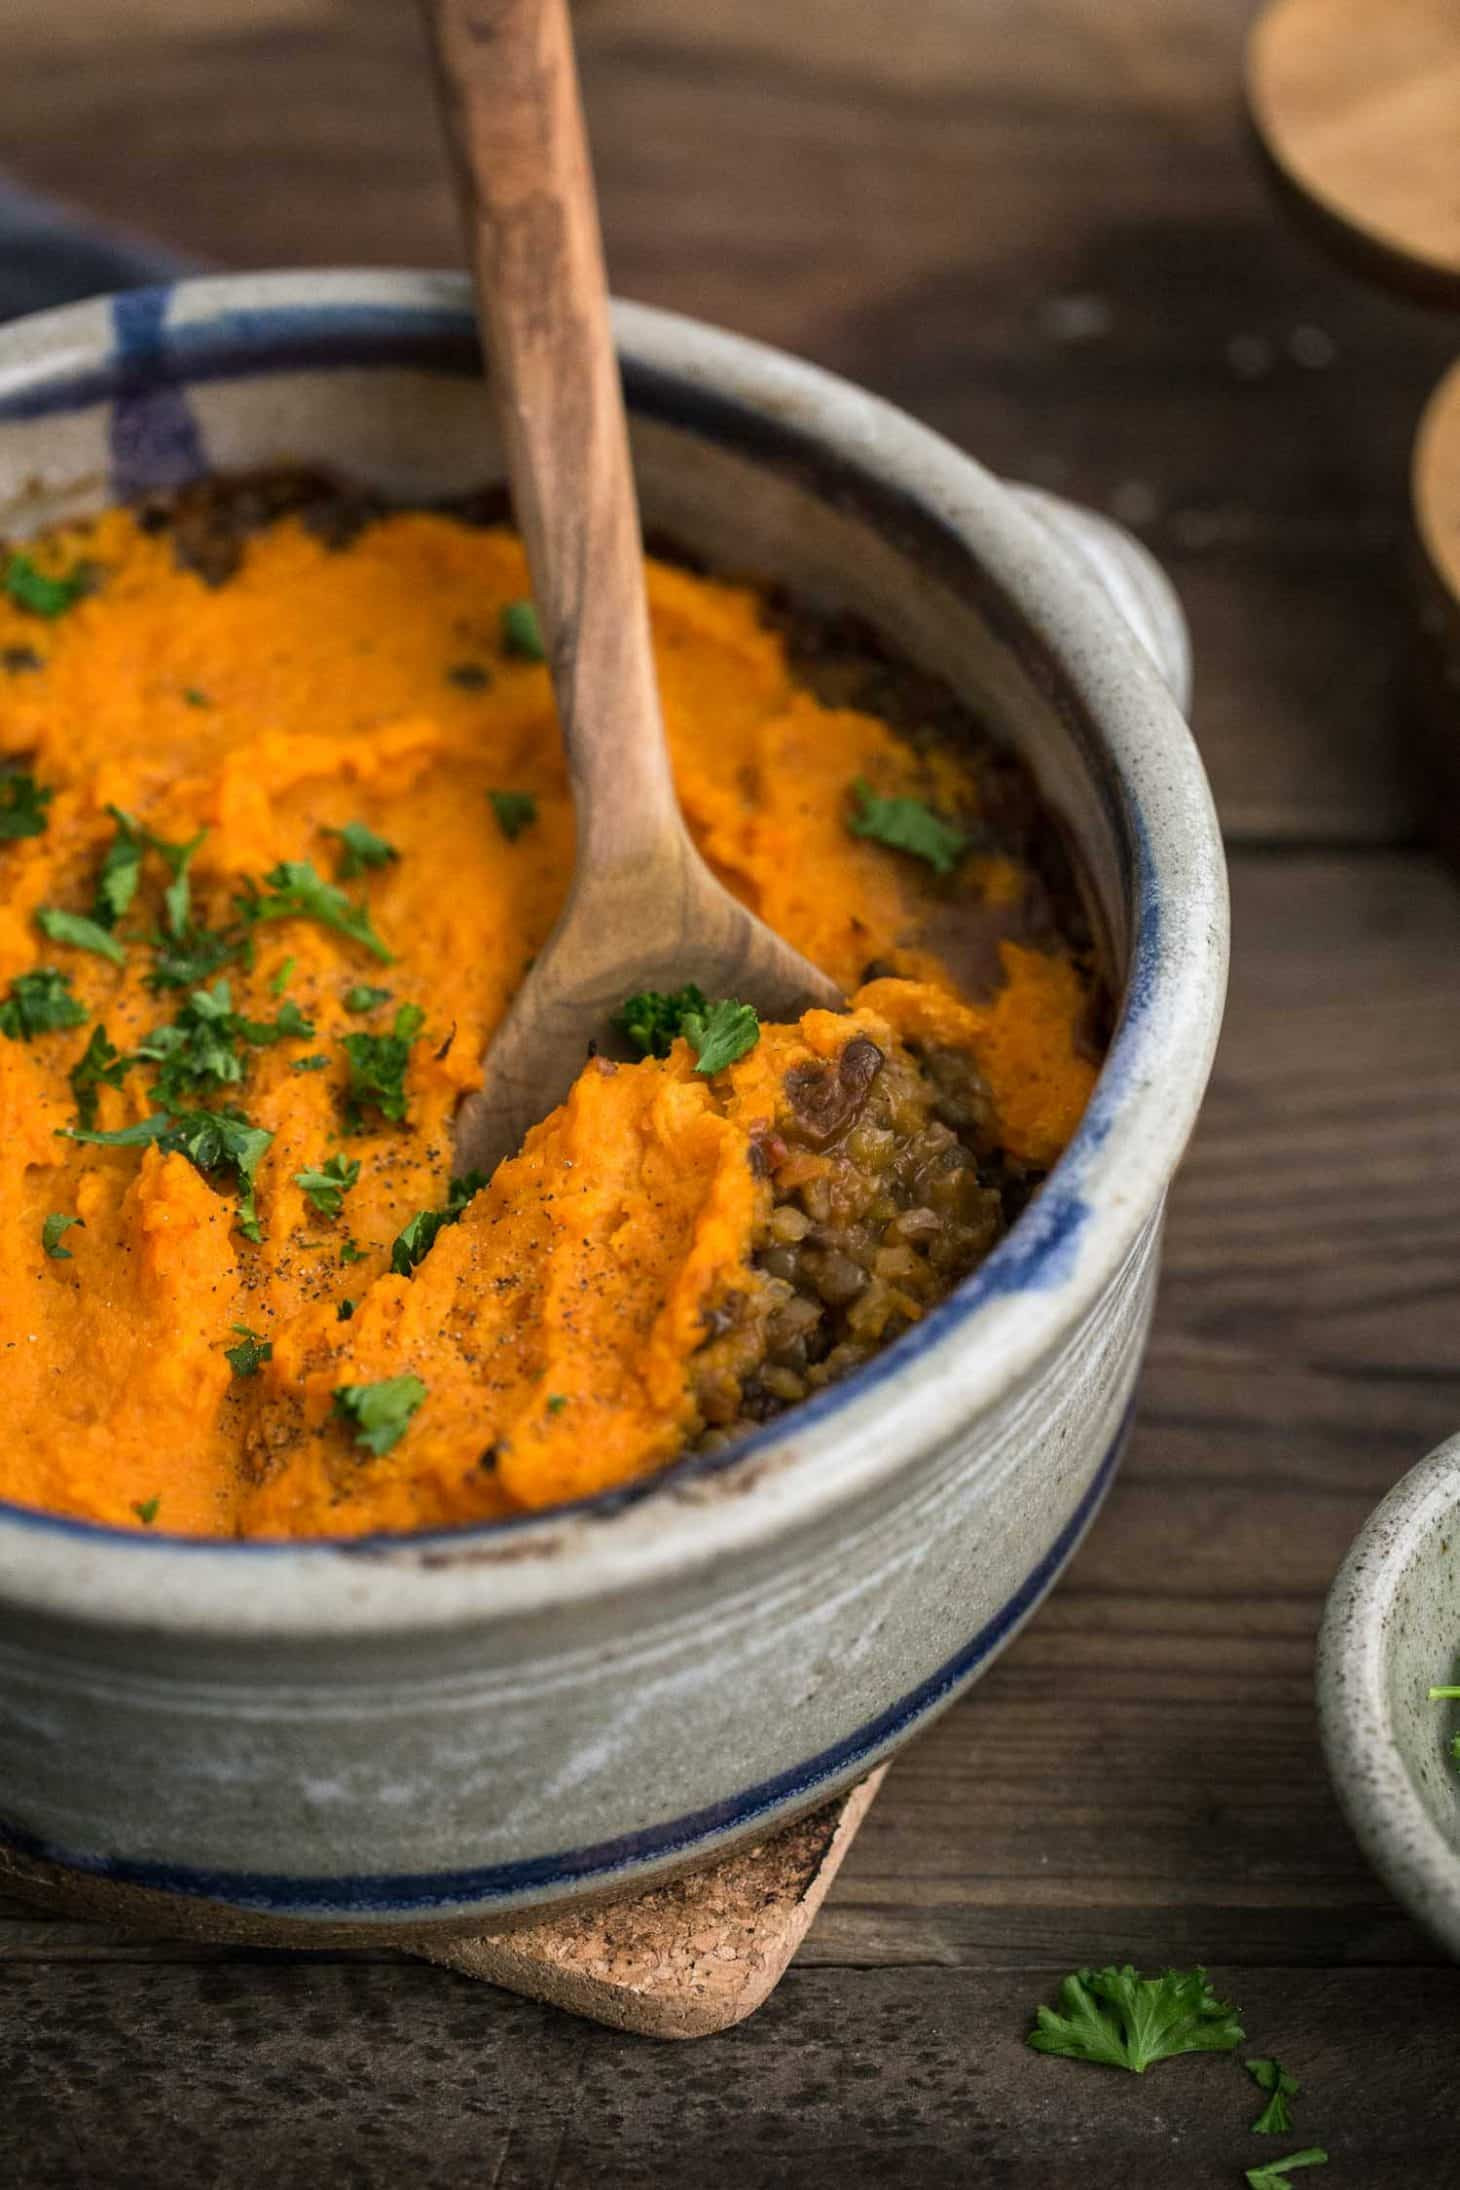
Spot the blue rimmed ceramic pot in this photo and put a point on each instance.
(440, 1729)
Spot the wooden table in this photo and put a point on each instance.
(1039, 229)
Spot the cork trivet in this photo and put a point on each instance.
(681, 1960)
(685, 1959)
(1357, 104)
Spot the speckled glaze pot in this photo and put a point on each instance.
(441, 1729)
(1391, 1631)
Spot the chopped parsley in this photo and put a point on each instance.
(1122, 2020)
(908, 826)
(83, 934)
(31, 589)
(51, 1232)
(194, 697)
(379, 1413)
(522, 633)
(718, 1033)
(327, 1187)
(249, 1356)
(414, 1242)
(200, 1050)
(212, 1140)
(196, 956)
(100, 1065)
(222, 1140)
(378, 1068)
(121, 871)
(295, 891)
(352, 1251)
(146, 1509)
(556, 1401)
(1446, 1695)
(23, 804)
(651, 1020)
(515, 811)
(280, 980)
(721, 1034)
(362, 848)
(317, 1063)
(1273, 2174)
(1276, 2119)
(138, 1135)
(40, 1003)
(364, 998)
(344, 1310)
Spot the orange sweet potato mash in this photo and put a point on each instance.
(258, 863)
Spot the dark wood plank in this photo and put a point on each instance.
(1051, 243)
(374, 2075)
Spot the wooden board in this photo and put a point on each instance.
(1044, 231)
(302, 2075)
(1358, 104)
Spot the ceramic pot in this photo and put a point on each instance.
(439, 1729)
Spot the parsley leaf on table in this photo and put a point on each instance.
(31, 589)
(908, 825)
(380, 1412)
(415, 1240)
(522, 633)
(362, 849)
(247, 1358)
(23, 804)
(515, 811)
(83, 934)
(327, 1187)
(40, 1003)
(1273, 2174)
(295, 891)
(378, 1067)
(652, 1019)
(51, 1232)
(1276, 2118)
(721, 1034)
(1122, 2020)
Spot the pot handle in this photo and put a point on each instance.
(1129, 576)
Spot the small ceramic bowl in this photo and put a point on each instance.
(1391, 1631)
(431, 1730)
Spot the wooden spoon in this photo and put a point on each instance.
(643, 911)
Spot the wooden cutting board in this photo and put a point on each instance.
(1357, 103)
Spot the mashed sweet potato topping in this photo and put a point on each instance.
(279, 843)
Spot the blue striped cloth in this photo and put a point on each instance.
(50, 254)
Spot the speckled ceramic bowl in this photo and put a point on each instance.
(1391, 1631)
(438, 1729)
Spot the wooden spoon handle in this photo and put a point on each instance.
(510, 91)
